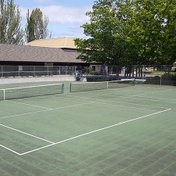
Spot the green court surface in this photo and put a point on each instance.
(112, 132)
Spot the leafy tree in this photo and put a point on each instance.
(125, 32)
(107, 43)
(10, 29)
(168, 13)
(36, 25)
(153, 29)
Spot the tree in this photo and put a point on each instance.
(130, 32)
(36, 25)
(168, 13)
(10, 29)
(107, 43)
(153, 30)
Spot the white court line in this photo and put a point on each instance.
(19, 131)
(95, 131)
(152, 92)
(13, 151)
(37, 106)
(159, 99)
(141, 93)
(26, 113)
(122, 96)
(46, 110)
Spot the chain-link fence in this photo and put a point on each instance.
(154, 74)
(18, 70)
(157, 74)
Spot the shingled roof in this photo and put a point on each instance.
(15, 53)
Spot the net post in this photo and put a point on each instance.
(134, 82)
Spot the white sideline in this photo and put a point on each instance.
(19, 131)
(95, 131)
(26, 113)
(45, 110)
(17, 115)
(32, 105)
(159, 99)
(13, 151)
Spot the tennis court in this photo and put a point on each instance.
(125, 131)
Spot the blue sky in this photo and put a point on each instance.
(65, 16)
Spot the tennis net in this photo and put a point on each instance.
(90, 86)
(31, 91)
